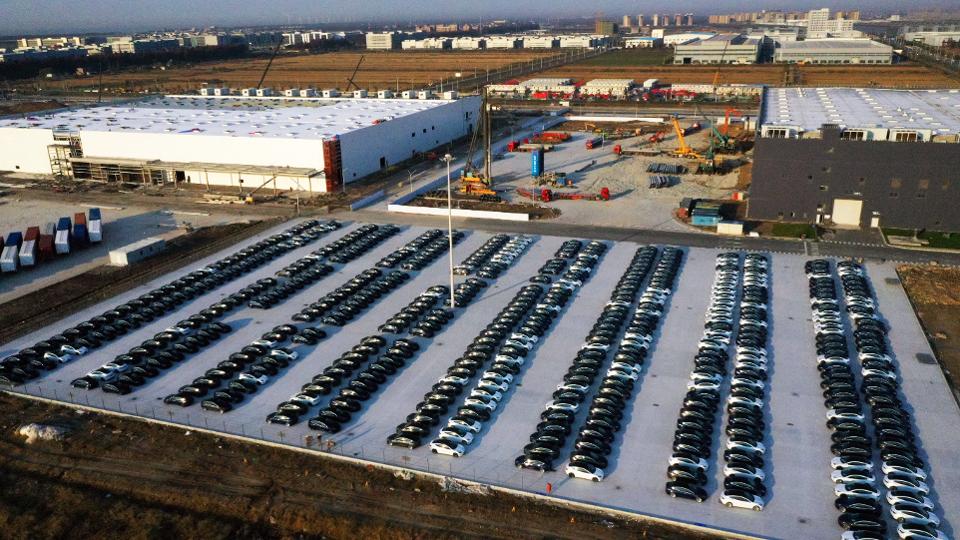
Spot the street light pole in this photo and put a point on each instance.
(448, 158)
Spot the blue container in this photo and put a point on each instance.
(14, 239)
(705, 221)
(94, 214)
(64, 224)
(536, 162)
(80, 234)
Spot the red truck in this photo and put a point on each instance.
(595, 142)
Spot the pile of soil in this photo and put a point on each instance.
(934, 292)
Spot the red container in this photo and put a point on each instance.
(617, 149)
(80, 218)
(33, 233)
(45, 248)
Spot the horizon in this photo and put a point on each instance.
(38, 17)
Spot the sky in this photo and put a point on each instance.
(28, 17)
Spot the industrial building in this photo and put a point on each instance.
(642, 42)
(719, 49)
(607, 87)
(833, 51)
(856, 157)
(308, 144)
(385, 40)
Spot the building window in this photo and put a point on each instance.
(946, 185)
(923, 184)
(414, 134)
(906, 136)
(896, 183)
(424, 130)
(862, 180)
(894, 194)
(921, 194)
(776, 134)
(824, 187)
(853, 135)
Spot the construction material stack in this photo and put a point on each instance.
(62, 237)
(9, 258)
(28, 251)
(95, 226)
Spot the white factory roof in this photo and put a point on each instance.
(545, 82)
(833, 44)
(231, 116)
(609, 82)
(810, 108)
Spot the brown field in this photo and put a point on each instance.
(380, 70)
(934, 292)
(898, 76)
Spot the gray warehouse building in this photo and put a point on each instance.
(858, 157)
(719, 49)
(833, 51)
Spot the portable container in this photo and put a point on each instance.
(9, 257)
(80, 237)
(94, 226)
(62, 237)
(28, 251)
(79, 218)
(536, 163)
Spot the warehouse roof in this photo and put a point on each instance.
(810, 108)
(833, 44)
(303, 118)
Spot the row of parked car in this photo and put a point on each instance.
(527, 330)
(743, 476)
(356, 243)
(903, 474)
(595, 439)
(28, 363)
(551, 434)
(693, 438)
(411, 249)
(426, 415)
(481, 255)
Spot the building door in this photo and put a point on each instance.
(875, 221)
(847, 212)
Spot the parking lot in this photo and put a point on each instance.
(799, 503)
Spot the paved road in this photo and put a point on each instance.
(692, 239)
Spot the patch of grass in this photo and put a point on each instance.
(628, 58)
(794, 230)
(934, 239)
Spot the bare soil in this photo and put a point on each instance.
(934, 292)
(115, 477)
(23, 107)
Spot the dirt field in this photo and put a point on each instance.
(379, 70)
(112, 477)
(22, 107)
(899, 76)
(935, 294)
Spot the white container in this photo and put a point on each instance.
(95, 231)
(330, 93)
(62, 242)
(450, 94)
(28, 253)
(8, 259)
(384, 94)
(359, 94)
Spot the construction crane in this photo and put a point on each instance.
(683, 149)
(270, 63)
(730, 111)
(716, 76)
(350, 80)
(470, 173)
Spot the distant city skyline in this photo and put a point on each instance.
(31, 17)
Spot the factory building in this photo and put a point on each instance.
(719, 49)
(643, 42)
(384, 40)
(309, 144)
(607, 87)
(833, 51)
(856, 157)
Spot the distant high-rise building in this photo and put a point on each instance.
(605, 28)
(678, 20)
(640, 22)
(656, 20)
(626, 22)
(689, 19)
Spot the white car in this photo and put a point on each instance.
(696, 376)
(879, 373)
(524, 337)
(485, 394)
(741, 381)
(284, 355)
(703, 385)
(843, 489)
(178, 330)
(115, 367)
(525, 345)
(915, 500)
(62, 359)
(734, 469)
(622, 375)
(447, 447)
(903, 513)
(453, 379)
(102, 375)
(489, 404)
(265, 343)
(453, 436)
(699, 463)
(918, 485)
(595, 347)
(843, 476)
(456, 430)
(743, 401)
(749, 447)
(832, 413)
(471, 425)
(578, 388)
(73, 351)
(628, 370)
(585, 472)
(509, 360)
(492, 387)
(560, 406)
(741, 500)
(840, 463)
(912, 471)
(907, 531)
(638, 337)
(306, 399)
(499, 378)
(262, 379)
